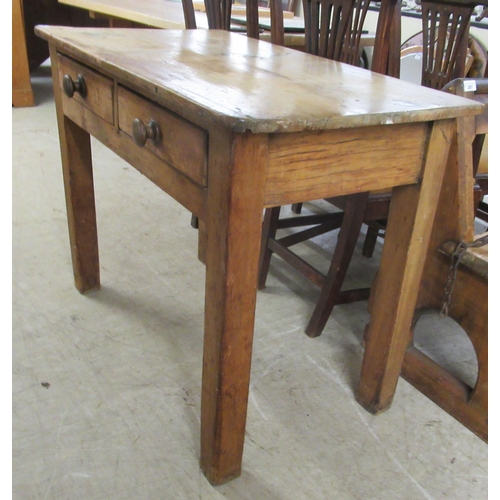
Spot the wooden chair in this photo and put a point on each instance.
(219, 17)
(218, 14)
(333, 30)
(465, 297)
(445, 47)
(444, 59)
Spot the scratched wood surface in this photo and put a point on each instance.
(204, 76)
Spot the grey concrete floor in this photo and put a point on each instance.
(106, 386)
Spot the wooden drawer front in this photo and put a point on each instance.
(181, 144)
(99, 89)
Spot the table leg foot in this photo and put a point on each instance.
(374, 407)
(213, 475)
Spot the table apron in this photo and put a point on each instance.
(314, 165)
(301, 167)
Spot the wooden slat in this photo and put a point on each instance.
(239, 10)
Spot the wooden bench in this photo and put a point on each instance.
(455, 277)
(468, 306)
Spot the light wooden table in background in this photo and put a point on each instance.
(153, 13)
(166, 14)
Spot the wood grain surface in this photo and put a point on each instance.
(244, 84)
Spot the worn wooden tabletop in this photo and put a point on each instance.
(248, 85)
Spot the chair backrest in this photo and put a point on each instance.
(189, 17)
(386, 51)
(218, 14)
(219, 17)
(445, 35)
(334, 27)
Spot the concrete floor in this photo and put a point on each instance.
(106, 387)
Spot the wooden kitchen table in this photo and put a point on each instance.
(227, 126)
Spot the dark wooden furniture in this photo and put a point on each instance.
(219, 17)
(218, 14)
(444, 59)
(232, 130)
(445, 37)
(333, 31)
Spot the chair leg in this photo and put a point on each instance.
(194, 221)
(269, 228)
(482, 211)
(370, 241)
(297, 208)
(202, 241)
(348, 236)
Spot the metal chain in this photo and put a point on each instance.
(456, 257)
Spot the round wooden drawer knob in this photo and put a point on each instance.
(141, 132)
(70, 87)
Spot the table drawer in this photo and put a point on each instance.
(96, 91)
(181, 144)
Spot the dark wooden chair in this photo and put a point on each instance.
(333, 30)
(219, 17)
(444, 59)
